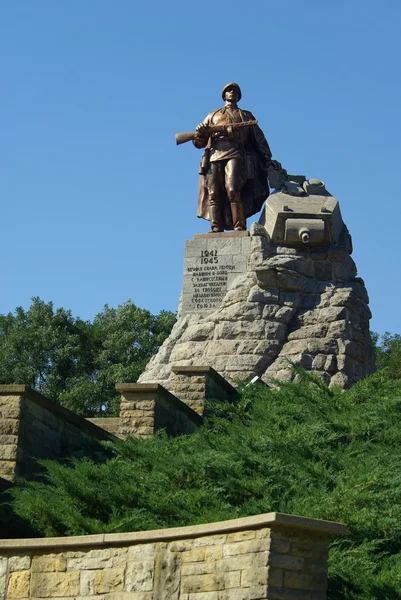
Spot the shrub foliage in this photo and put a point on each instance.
(301, 449)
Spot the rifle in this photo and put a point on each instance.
(183, 138)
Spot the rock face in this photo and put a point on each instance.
(290, 294)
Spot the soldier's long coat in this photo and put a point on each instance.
(256, 189)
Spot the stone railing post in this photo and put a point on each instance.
(147, 407)
(193, 384)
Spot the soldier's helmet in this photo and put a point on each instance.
(232, 84)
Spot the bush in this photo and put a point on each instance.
(303, 449)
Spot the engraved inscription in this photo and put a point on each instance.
(209, 257)
(210, 266)
(208, 282)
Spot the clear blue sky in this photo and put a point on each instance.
(97, 200)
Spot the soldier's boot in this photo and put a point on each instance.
(239, 221)
(215, 218)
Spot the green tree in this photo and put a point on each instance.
(388, 353)
(42, 347)
(123, 339)
(77, 362)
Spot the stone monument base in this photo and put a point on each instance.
(251, 306)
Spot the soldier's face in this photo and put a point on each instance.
(231, 94)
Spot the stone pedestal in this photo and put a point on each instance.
(251, 304)
(211, 263)
(194, 385)
(146, 408)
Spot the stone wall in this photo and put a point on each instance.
(146, 408)
(32, 427)
(196, 384)
(272, 556)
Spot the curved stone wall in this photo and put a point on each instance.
(271, 556)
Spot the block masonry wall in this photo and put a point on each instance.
(145, 408)
(272, 556)
(193, 385)
(32, 427)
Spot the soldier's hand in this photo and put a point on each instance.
(275, 164)
(202, 130)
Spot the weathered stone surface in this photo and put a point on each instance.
(9, 426)
(287, 302)
(309, 331)
(87, 563)
(54, 585)
(109, 580)
(139, 575)
(7, 469)
(19, 562)
(141, 552)
(304, 581)
(167, 573)
(208, 582)
(295, 262)
(18, 584)
(48, 563)
(198, 333)
(249, 546)
(258, 230)
(87, 583)
(286, 561)
(8, 452)
(3, 577)
(258, 294)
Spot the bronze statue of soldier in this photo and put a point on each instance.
(233, 181)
